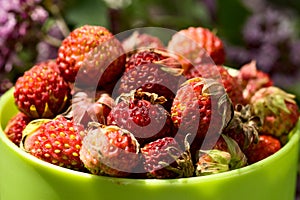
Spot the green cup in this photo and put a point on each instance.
(25, 177)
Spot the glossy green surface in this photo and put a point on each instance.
(24, 177)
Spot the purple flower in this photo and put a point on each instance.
(266, 56)
(7, 24)
(39, 14)
(269, 26)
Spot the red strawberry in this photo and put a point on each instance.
(164, 158)
(198, 45)
(266, 146)
(278, 111)
(15, 126)
(147, 56)
(110, 150)
(42, 92)
(202, 108)
(56, 141)
(143, 116)
(251, 79)
(152, 70)
(92, 56)
(153, 78)
(141, 41)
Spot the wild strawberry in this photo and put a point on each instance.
(153, 78)
(164, 158)
(212, 162)
(110, 150)
(42, 92)
(142, 115)
(202, 108)
(266, 146)
(154, 71)
(145, 56)
(226, 155)
(218, 72)
(251, 80)
(56, 141)
(91, 53)
(244, 127)
(141, 41)
(278, 111)
(15, 126)
(198, 45)
(90, 106)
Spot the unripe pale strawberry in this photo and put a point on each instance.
(110, 150)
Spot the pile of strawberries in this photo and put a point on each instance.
(140, 108)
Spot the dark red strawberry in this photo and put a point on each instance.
(57, 141)
(15, 126)
(110, 150)
(147, 56)
(152, 70)
(266, 146)
(42, 92)
(164, 158)
(143, 115)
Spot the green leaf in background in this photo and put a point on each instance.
(230, 20)
(92, 12)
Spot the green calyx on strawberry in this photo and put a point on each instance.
(42, 92)
(277, 109)
(56, 141)
(212, 162)
(110, 150)
(226, 155)
(164, 158)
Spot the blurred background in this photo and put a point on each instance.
(267, 31)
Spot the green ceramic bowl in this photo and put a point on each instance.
(24, 177)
